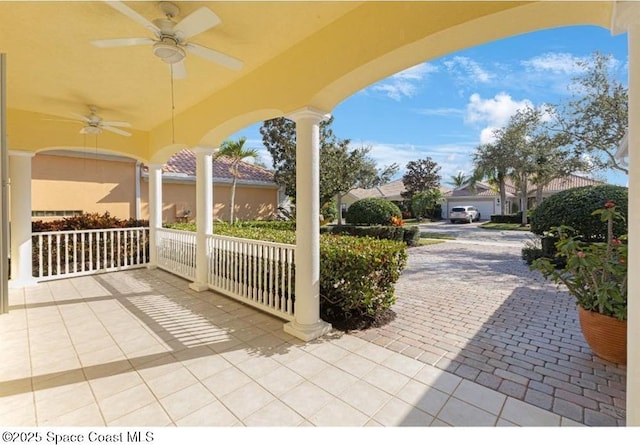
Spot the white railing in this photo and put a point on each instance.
(64, 254)
(176, 250)
(258, 273)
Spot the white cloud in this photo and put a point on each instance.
(405, 83)
(450, 157)
(445, 112)
(493, 113)
(397, 89)
(467, 70)
(557, 63)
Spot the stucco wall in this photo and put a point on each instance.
(94, 185)
(83, 183)
(250, 202)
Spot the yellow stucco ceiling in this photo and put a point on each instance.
(295, 54)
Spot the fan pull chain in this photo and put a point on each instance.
(173, 108)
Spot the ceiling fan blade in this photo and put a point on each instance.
(80, 117)
(133, 15)
(91, 130)
(132, 41)
(178, 70)
(116, 124)
(198, 21)
(215, 56)
(75, 121)
(115, 130)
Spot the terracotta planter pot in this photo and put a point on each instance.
(607, 336)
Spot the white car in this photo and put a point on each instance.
(464, 214)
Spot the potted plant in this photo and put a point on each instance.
(596, 275)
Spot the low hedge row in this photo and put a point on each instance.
(409, 235)
(514, 218)
(87, 221)
(357, 274)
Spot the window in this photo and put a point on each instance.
(54, 213)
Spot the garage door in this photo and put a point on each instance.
(486, 208)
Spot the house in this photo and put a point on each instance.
(486, 197)
(67, 183)
(483, 196)
(391, 191)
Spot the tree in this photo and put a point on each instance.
(341, 168)
(597, 119)
(279, 138)
(493, 161)
(345, 170)
(235, 151)
(424, 203)
(458, 180)
(420, 176)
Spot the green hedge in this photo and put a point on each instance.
(87, 221)
(514, 218)
(409, 235)
(373, 211)
(358, 275)
(574, 208)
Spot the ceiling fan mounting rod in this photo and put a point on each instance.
(170, 10)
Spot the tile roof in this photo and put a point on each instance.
(556, 185)
(183, 163)
(391, 190)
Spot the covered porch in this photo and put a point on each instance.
(138, 348)
(300, 60)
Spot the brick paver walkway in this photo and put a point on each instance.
(479, 312)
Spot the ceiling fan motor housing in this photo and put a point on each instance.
(168, 50)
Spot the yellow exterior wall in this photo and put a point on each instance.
(251, 202)
(94, 185)
(83, 183)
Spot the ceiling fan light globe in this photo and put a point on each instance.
(176, 57)
(168, 51)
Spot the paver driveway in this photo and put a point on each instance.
(476, 310)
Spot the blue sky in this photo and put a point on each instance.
(444, 108)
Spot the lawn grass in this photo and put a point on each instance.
(428, 242)
(505, 226)
(432, 235)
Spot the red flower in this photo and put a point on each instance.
(616, 242)
(580, 254)
(609, 204)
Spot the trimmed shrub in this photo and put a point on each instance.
(409, 235)
(372, 211)
(358, 275)
(87, 221)
(513, 218)
(573, 208)
(268, 224)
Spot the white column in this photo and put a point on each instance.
(204, 214)
(20, 189)
(307, 324)
(633, 311)
(155, 211)
(626, 18)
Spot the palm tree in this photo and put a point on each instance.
(237, 153)
(494, 161)
(458, 180)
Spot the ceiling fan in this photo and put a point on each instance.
(170, 43)
(94, 124)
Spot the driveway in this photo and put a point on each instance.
(472, 232)
(473, 308)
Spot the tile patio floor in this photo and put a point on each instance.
(138, 348)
